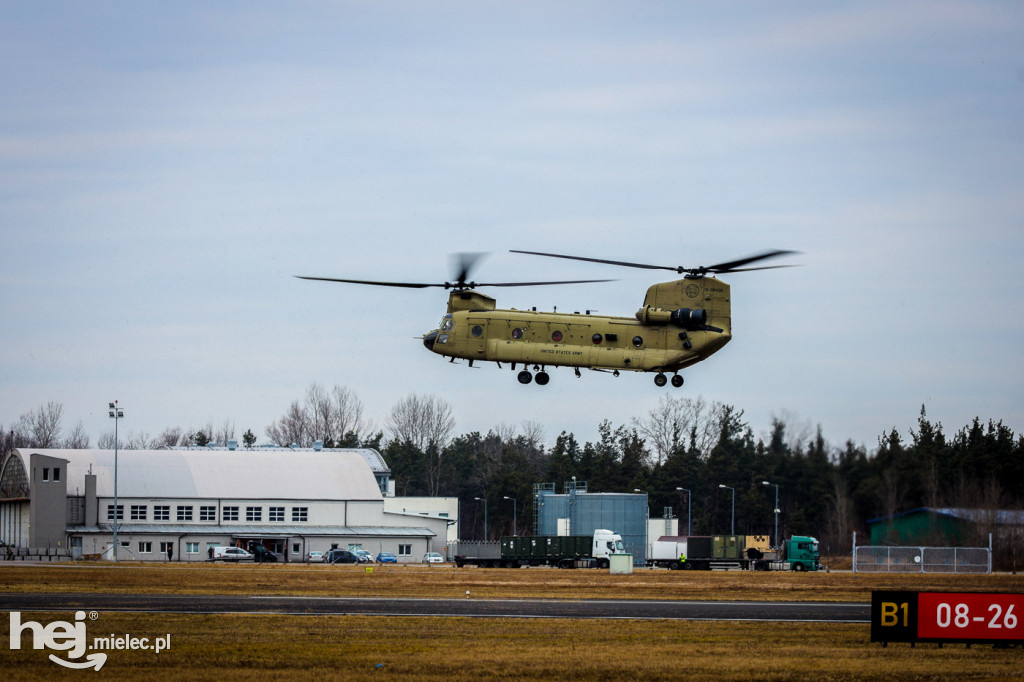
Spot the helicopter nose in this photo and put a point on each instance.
(429, 339)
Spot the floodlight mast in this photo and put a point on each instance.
(116, 413)
(689, 517)
(514, 504)
(776, 511)
(722, 485)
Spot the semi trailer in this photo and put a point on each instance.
(724, 552)
(563, 551)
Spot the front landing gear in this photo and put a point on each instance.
(660, 380)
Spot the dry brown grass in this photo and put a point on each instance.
(527, 583)
(351, 647)
(262, 647)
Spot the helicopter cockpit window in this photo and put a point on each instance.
(447, 323)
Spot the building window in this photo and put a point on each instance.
(300, 514)
(254, 513)
(46, 475)
(56, 475)
(161, 512)
(208, 513)
(165, 546)
(191, 548)
(110, 512)
(145, 548)
(276, 514)
(230, 514)
(184, 513)
(405, 550)
(138, 512)
(296, 548)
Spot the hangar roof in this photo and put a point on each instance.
(211, 474)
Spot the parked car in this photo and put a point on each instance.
(341, 556)
(433, 558)
(263, 555)
(364, 556)
(387, 558)
(231, 554)
(315, 557)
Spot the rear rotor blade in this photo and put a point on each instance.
(728, 266)
(734, 266)
(600, 260)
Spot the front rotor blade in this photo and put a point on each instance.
(406, 285)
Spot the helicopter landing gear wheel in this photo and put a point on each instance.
(542, 378)
(525, 377)
(660, 379)
(677, 380)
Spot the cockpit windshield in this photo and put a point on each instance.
(447, 323)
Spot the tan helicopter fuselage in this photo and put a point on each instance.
(680, 323)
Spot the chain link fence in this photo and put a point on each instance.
(874, 559)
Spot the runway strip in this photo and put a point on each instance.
(820, 612)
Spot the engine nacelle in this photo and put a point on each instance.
(691, 319)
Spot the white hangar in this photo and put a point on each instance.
(178, 503)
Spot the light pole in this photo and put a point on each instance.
(484, 500)
(116, 413)
(513, 514)
(689, 499)
(776, 511)
(721, 485)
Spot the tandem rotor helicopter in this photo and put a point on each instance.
(680, 323)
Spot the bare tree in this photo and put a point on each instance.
(422, 421)
(41, 428)
(293, 427)
(78, 439)
(347, 413)
(327, 416)
(225, 433)
(169, 438)
(678, 423)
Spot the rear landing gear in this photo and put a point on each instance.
(677, 380)
(541, 377)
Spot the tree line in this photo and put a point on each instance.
(698, 461)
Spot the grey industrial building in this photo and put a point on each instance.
(179, 503)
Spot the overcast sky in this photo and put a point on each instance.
(166, 168)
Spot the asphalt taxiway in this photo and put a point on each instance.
(469, 606)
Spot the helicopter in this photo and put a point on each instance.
(681, 323)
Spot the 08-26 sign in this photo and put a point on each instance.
(971, 617)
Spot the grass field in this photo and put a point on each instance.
(358, 647)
